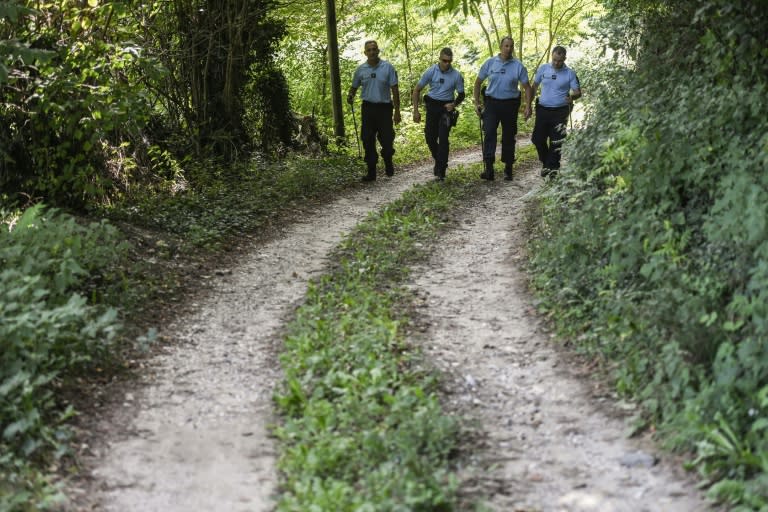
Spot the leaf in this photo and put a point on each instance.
(13, 382)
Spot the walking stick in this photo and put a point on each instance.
(357, 138)
(480, 120)
(482, 143)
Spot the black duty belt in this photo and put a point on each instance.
(502, 101)
(551, 108)
(429, 99)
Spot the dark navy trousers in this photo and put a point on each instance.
(377, 124)
(502, 112)
(436, 130)
(548, 134)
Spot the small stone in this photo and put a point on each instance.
(638, 459)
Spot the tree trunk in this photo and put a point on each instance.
(333, 64)
(405, 41)
(522, 31)
(475, 8)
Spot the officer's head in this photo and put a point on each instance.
(371, 50)
(446, 57)
(507, 46)
(558, 57)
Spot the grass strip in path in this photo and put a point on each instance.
(362, 425)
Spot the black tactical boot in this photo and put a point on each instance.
(371, 176)
(507, 172)
(389, 168)
(488, 172)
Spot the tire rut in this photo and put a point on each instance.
(542, 435)
(193, 434)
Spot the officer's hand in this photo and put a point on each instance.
(527, 113)
(479, 109)
(350, 99)
(397, 116)
(416, 116)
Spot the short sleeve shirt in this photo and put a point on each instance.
(555, 84)
(503, 77)
(442, 83)
(376, 81)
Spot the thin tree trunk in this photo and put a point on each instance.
(333, 62)
(507, 20)
(476, 12)
(522, 28)
(405, 40)
(493, 24)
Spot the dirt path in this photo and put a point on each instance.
(550, 440)
(193, 434)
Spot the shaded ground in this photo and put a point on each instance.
(192, 434)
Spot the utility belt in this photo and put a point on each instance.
(507, 100)
(381, 104)
(553, 109)
(429, 100)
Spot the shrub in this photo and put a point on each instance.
(47, 329)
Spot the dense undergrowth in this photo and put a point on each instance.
(651, 247)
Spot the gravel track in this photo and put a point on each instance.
(193, 433)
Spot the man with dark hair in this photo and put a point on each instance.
(559, 88)
(381, 104)
(443, 80)
(502, 104)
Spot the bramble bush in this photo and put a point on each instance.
(48, 330)
(652, 245)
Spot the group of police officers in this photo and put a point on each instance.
(497, 103)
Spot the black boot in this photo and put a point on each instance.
(488, 172)
(371, 176)
(389, 167)
(507, 173)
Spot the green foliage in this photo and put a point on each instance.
(662, 267)
(234, 200)
(362, 427)
(69, 104)
(210, 50)
(268, 109)
(47, 331)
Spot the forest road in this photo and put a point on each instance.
(193, 433)
(544, 436)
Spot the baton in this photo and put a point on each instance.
(357, 138)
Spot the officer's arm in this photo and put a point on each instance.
(530, 92)
(575, 94)
(476, 94)
(415, 97)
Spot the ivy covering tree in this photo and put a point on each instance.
(98, 97)
(655, 239)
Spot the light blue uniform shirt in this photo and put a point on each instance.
(504, 76)
(442, 83)
(555, 84)
(376, 81)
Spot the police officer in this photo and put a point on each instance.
(559, 87)
(378, 78)
(443, 80)
(502, 104)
